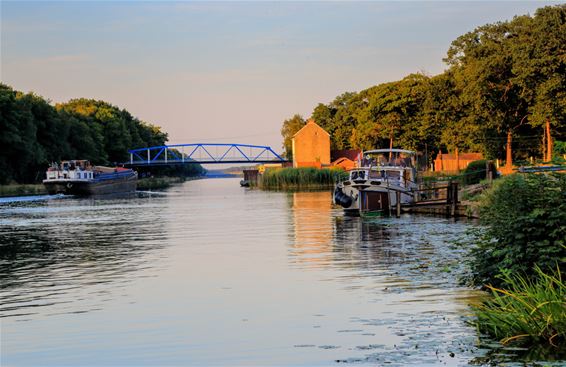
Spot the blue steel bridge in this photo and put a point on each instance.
(203, 153)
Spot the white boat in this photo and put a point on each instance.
(382, 176)
(79, 177)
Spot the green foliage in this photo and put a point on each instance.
(290, 128)
(475, 172)
(525, 219)
(301, 178)
(528, 311)
(506, 77)
(34, 133)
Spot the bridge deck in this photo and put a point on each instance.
(203, 153)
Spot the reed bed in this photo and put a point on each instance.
(301, 178)
(527, 310)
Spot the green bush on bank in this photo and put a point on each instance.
(304, 177)
(527, 311)
(525, 219)
(475, 172)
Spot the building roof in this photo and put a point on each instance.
(309, 124)
(351, 154)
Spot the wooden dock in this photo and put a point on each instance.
(440, 200)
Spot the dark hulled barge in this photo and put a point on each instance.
(79, 177)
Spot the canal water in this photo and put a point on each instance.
(209, 273)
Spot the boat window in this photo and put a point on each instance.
(375, 174)
(393, 174)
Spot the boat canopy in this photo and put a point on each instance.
(374, 151)
(394, 158)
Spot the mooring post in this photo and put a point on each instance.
(183, 154)
(489, 170)
(131, 158)
(148, 156)
(454, 203)
(165, 152)
(398, 211)
(448, 198)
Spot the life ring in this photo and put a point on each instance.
(69, 185)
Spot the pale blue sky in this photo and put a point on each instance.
(228, 72)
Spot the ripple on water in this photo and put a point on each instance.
(214, 274)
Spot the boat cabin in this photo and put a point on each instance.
(71, 170)
(395, 166)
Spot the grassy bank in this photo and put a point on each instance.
(22, 190)
(521, 258)
(530, 310)
(158, 183)
(301, 178)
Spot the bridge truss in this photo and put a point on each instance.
(204, 153)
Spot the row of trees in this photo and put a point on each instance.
(505, 83)
(35, 133)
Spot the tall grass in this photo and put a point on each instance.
(21, 190)
(301, 178)
(528, 311)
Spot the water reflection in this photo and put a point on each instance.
(54, 248)
(213, 274)
(406, 267)
(312, 223)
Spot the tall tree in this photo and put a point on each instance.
(539, 58)
(483, 63)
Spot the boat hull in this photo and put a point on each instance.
(122, 184)
(368, 199)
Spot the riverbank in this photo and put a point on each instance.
(158, 183)
(22, 190)
(150, 183)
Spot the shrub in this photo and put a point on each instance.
(475, 172)
(525, 219)
(529, 311)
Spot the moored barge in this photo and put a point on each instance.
(382, 177)
(79, 177)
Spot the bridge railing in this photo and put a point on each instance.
(204, 153)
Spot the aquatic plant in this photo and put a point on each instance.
(529, 310)
(303, 177)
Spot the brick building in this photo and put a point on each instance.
(311, 146)
(445, 162)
